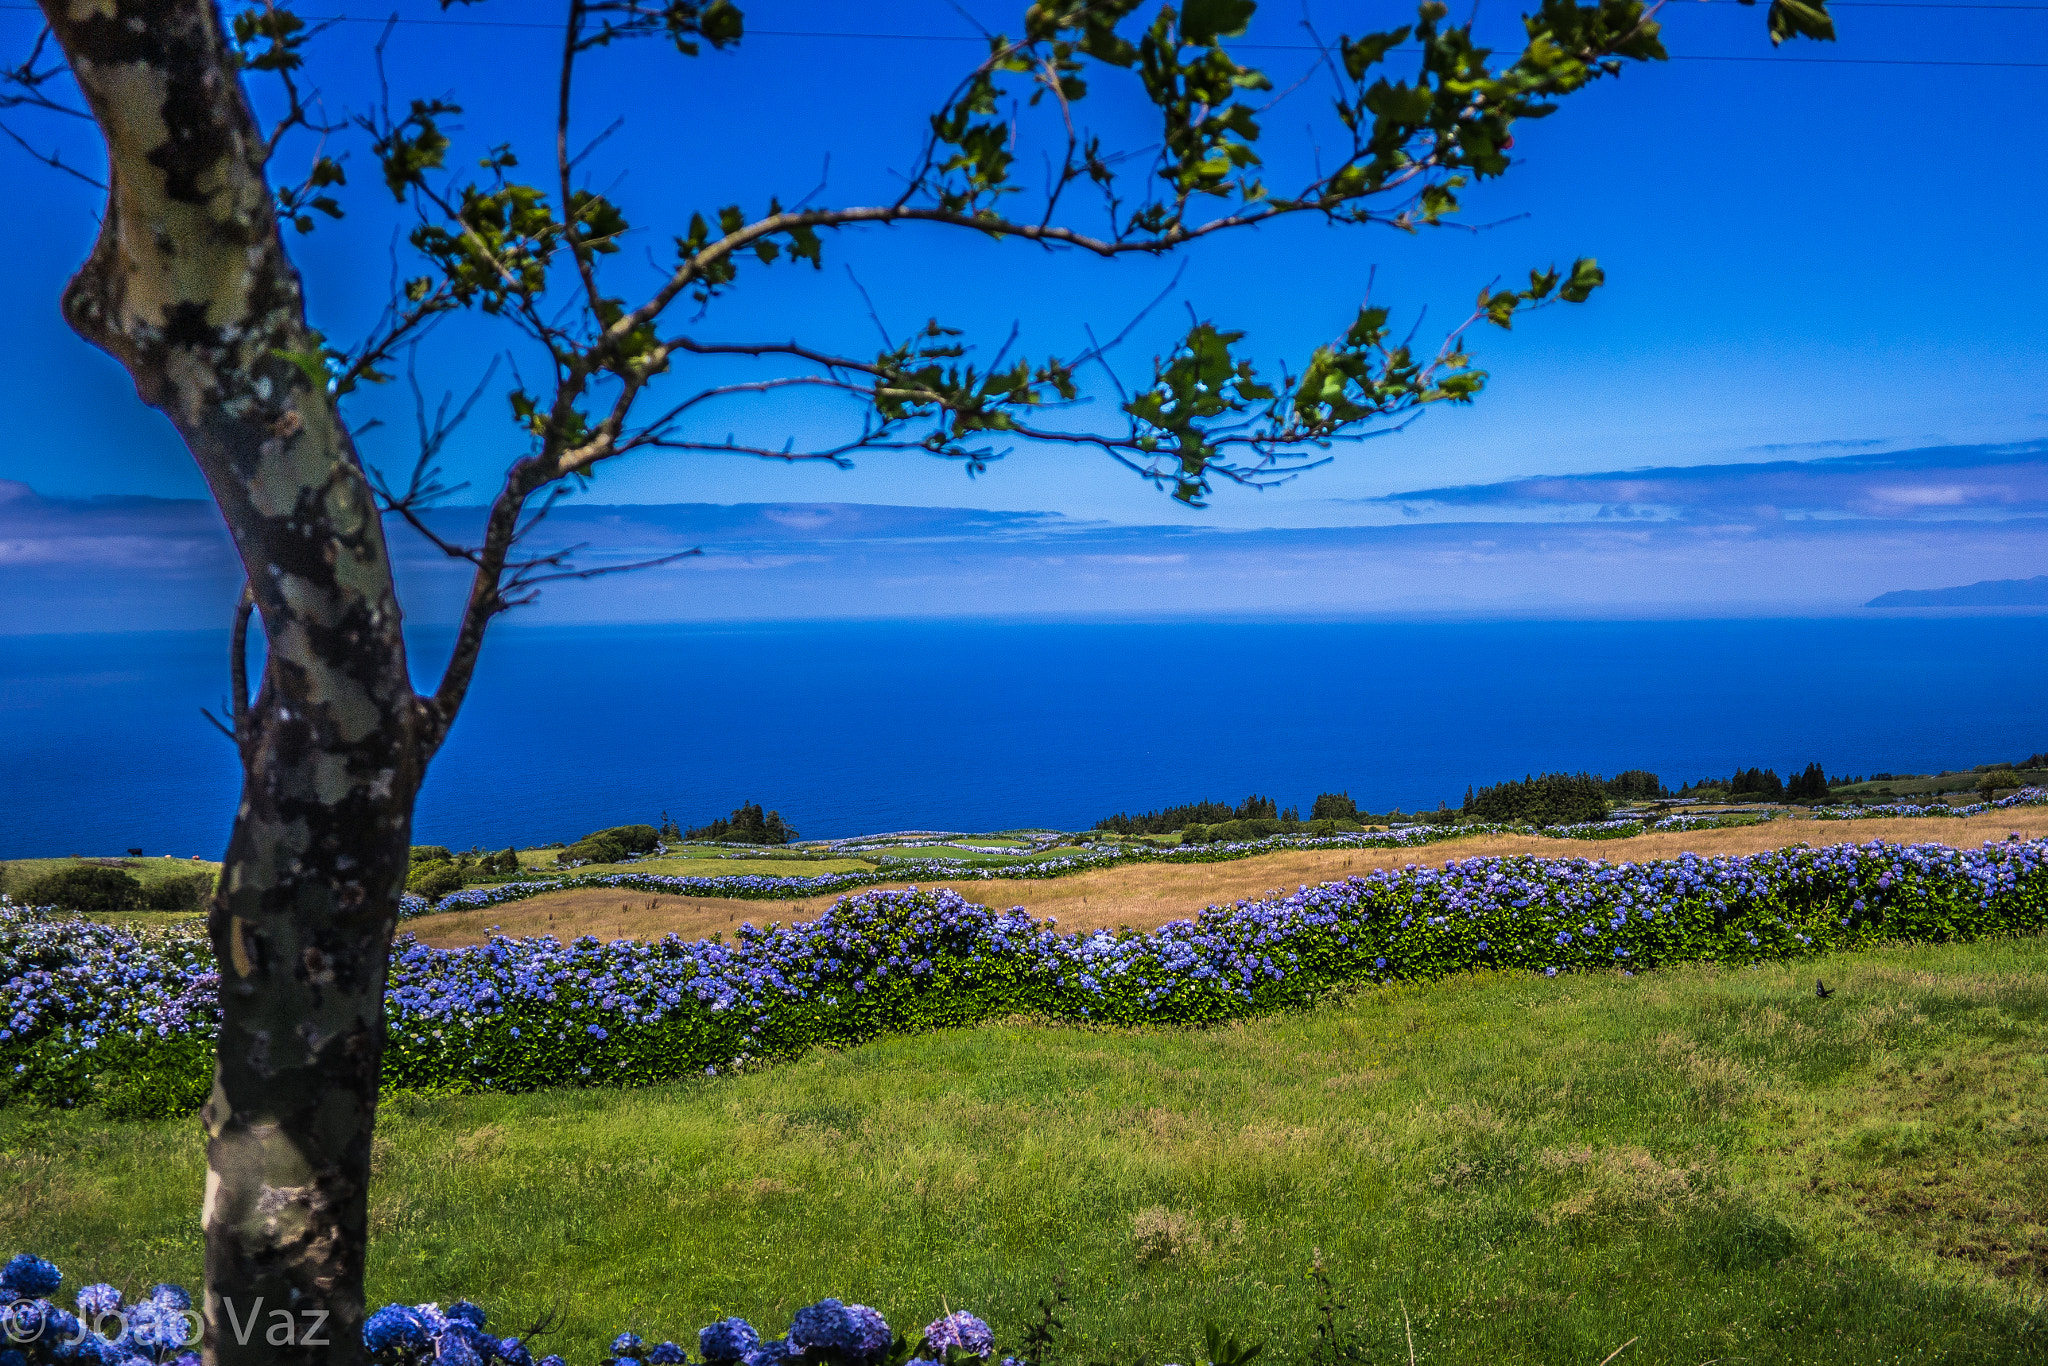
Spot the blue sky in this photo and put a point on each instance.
(1811, 254)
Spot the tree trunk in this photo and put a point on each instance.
(189, 287)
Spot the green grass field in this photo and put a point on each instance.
(19, 872)
(1712, 1163)
(1930, 786)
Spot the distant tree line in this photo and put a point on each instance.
(1172, 818)
(748, 825)
(1810, 784)
(1541, 799)
(1636, 785)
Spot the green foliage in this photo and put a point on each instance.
(1546, 799)
(1811, 785)
(430, 853)
(1635, 785)
(1756, 784)
(747, 825)
(542, 256)
(84, 887)
(1333, 806)
(435, 879)
(1998, 779)
(633, 839)
(592, 849)
(189, 893)
(1173, 818)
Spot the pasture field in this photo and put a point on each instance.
(1145, 895)
(17, 873)
(1711, 1163)
(1930, 786)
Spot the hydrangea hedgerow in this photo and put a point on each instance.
(759, 887)
(113, 1017)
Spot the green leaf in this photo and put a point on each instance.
(1586, 277)
(311, 364)
(1202, 22)
(1370, 50)
(1799, 19)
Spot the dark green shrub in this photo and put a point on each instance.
(598, 848)
(1635, 785)
(434, 880)
(633, 839)
(179, 893)
(1333, 806)
(85, 887)
(431, 853)
(1757, 785)
(1543, 799)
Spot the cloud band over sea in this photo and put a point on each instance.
(1757, 539)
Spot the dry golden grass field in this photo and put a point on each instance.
(1147, 894)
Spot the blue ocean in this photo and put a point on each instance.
(849, 728)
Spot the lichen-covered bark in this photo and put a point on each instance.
(190, 289)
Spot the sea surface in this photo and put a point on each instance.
(850, 728)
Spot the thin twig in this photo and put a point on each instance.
(1619, 1350)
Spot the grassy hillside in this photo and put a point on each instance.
(1713, 1163)
(1930, 785)
(18, 873)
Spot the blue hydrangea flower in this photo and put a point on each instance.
(29, 1277)
(726, 1340)
(626, 1345)
(462, 1311)
(824, 1327)
(170, 1296)
(958, 1331)
(456, 1349)
(667, 1354)
(513, 1352)
(55, 1325)
(873, 1336)
(773, 1353)
(13, 1357)
(395, 1328)
(97, 1301)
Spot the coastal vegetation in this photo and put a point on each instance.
(1549, 799)
(747, 825)
(125, 1018)
(1707, 1160)
(1398, 1121)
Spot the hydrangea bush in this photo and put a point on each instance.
(89, 1013)
(162, 1329)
